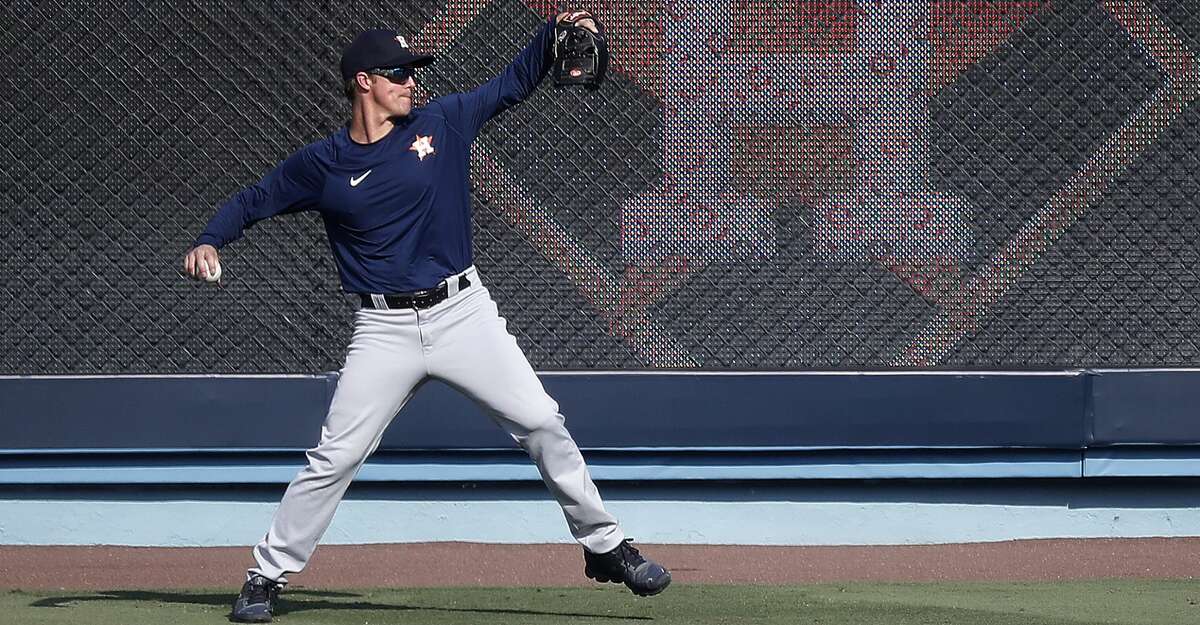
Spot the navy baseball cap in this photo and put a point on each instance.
(379, 48)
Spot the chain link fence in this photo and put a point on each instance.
(760, 185)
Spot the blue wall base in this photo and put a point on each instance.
(811, 513)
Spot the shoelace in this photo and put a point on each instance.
(630, 554)
(260, 591)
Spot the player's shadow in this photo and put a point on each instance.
(300, 601)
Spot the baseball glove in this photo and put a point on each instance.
(580, 56)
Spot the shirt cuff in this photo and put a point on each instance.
(207, 239)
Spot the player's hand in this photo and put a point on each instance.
(586, 22)
(202, 263)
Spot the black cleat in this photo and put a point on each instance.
(257, 600)
(625, 565)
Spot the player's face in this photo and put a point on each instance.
(393, 93)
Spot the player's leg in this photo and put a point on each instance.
(473, 351)
(384, 364)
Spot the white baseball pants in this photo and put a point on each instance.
(465, 342)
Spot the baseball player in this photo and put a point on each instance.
(392, 188)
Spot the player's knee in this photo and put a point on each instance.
(545, 429)
(531, 416)
(331, 463)
(548, 421)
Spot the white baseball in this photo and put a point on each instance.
(210, 276)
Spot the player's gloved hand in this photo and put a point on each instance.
(202, 263)
(580, 50)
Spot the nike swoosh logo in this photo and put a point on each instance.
(354, 181)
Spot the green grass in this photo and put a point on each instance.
(1115, 602)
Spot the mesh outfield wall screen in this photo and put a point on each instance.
(760, 185)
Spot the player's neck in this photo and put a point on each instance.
(369, 124)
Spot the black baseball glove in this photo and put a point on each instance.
(580, 55)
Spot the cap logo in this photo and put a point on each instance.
(401, 41)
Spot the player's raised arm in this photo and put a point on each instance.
(292, 186)
(472, 109)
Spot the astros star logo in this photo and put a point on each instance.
(423, 146)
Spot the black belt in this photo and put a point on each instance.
(416, 299)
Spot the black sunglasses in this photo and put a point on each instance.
(399, 74)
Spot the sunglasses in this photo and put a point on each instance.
(399, 74)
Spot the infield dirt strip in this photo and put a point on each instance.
(473, 564)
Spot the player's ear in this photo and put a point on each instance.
(364, 81)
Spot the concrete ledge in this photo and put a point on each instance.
(499, 466)
(1148, 461)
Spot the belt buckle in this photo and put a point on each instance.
(426, 298)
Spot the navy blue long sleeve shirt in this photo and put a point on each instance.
(397, 211)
